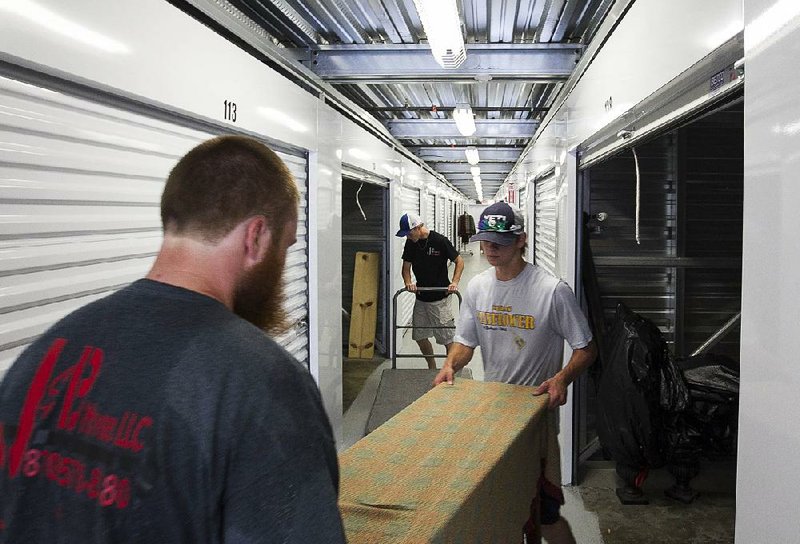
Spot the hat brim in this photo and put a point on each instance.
(403, 233)
(500, 238)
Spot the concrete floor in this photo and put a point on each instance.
(592, 508)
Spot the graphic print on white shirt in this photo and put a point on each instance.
(521, 324)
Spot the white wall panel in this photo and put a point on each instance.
(769, 415)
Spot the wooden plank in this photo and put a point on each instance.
(364, 311)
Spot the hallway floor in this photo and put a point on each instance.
(592, 507)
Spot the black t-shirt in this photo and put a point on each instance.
(428, 260)
(157, 415)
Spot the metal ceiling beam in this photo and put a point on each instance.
(449, 109)
(447, 168)
(485, 178)
(279, 19)
(386, 63)
(456, 154)
(446, 128)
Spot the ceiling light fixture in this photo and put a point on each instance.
(475, 171)
(443, 28)
(472, 155)
(465, 119)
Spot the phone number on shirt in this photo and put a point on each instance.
(106, 489)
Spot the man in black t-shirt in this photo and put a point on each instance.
(427, 253)
(163, 412)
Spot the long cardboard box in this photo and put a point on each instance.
(459, 465)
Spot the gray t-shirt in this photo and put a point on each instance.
(157, 415)
(521, 324)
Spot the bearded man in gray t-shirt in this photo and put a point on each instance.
(520, 316)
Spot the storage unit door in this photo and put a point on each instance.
(449, 222)
(80, 189)
(409, 196)
(405, 303)
(295, 275)
(430, 211)
(544, 227)
(441, 217)
(367, 235)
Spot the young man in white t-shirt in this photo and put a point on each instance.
(520, 316)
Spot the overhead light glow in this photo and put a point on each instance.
(61, 25)
(358, 153)
(475, 171)
(465, 119)
(282, 119)
(472, 155)
(771, 21)
(443, 28)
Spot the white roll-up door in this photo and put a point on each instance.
(544, 217)
(80, 189)
(430, 211)
(441, 216)
(449, 231)
(409, 197)
(295, 275)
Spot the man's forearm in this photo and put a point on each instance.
(459, 356)
(458, 270)
(580, 360)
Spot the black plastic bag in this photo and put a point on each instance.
(639, 384)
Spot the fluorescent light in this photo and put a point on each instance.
(465, 119)
(282, 119)
(472, 155)
(61, 25)
(475, 171)
(443, 28)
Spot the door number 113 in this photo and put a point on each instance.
(230, 111)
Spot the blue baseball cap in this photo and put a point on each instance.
(500, 224)
(408, 222)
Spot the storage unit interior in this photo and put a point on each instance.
(364, 212)
(685, 272)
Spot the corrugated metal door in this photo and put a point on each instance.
(430, 211)
(449, 222)
(80, 185)
(410, 198)
(441, 216)
(544, 223)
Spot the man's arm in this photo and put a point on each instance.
(457, 358)
(406, 273)
(459, 262)
(581, 359)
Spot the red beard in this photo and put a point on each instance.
(259, 295)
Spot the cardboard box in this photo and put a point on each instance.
(460, 464)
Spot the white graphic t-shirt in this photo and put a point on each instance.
(521, 324)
